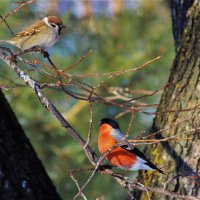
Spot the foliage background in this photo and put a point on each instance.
(122, 35)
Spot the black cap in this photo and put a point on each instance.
(111, 122)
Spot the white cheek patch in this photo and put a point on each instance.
(46, 21)
(57, 28)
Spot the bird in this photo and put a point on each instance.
(127, 156)
(43, 34)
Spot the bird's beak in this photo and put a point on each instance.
(62, 26)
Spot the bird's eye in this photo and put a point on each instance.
(53, 25)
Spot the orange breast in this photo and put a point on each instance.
(118, 157)
(105, 140)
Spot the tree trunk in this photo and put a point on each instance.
(179, 10)
(22, 175)
(180, 157)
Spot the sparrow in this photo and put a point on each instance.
(43, 34)
(127, 156)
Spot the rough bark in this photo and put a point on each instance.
(22, 175)
(180, 157)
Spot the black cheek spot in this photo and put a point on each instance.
(59, 30)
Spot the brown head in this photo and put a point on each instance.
(54, 22)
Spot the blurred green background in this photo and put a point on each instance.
(123, 34)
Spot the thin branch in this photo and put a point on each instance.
(130, 124)
(163, 192)
(115, 74)
(77, 185)
(6, 23)
(124, 92)
(146, 190)
(78, 62)
(81, 170)
(105, 100)
(170, 138)
(97, 166)
(165, 129)
(21, 5)
(121, 114)
(90, 125)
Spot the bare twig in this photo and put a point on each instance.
(97, 166)
(160, 191)
(90, 125)
(126, 93)
(81, 170)
(21, 5)
(165, 129)
(115, 74)
(77, 185)
(78, 62)
(121, 114)
(170, 138)
(147, 192)
(157, 140)
(130, 124)
(6, 23)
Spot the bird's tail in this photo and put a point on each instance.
(142, 161)
(12, 42)
(153, 167)
(145, 165)
(4, 41)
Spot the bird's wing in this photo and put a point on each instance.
(34, 29)
(131, 148)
